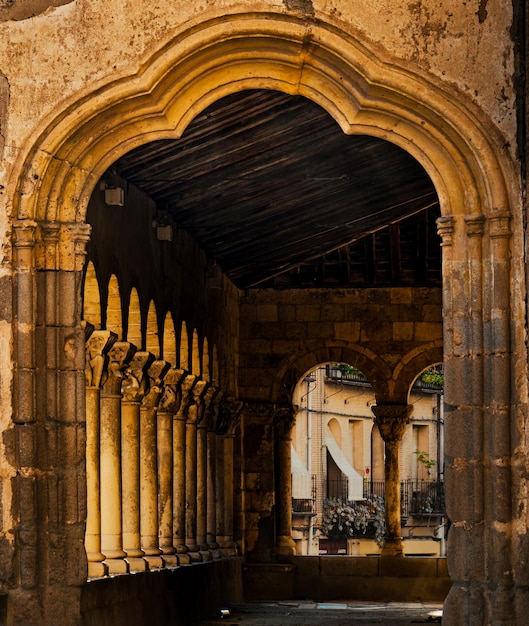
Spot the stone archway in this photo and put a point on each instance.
(365, 94)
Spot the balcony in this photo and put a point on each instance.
(418, 498)
(305, 506)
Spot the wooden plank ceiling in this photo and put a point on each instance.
(279, 197)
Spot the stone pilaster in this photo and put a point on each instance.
(111, 502)
(49, 420)
(97, 346)
(391, 420)
(133, 389)
(149, 465)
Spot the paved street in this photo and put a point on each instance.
(303, 613)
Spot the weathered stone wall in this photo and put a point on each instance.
(284, 334)
(171, 274)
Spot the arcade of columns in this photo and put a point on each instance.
(159, 460)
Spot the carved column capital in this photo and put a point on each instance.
(135, 383)
(392, 420)
(229, 414)
(185, 391)
(445, 229)
(62, 246)
(119, 357)
(172, 395)
(475, 224)
(156, 373)
(284, 418)
(500, 225)
(97, 347)
(24, 241)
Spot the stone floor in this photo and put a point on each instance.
(336, 613)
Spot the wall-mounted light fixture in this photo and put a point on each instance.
(114, 196)
(214, 275)
(164, 230)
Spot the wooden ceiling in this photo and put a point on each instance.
(279, 197)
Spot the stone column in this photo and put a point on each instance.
(98, 344)
(212, 482)
(166, 411)
(193, 415)
(149, 466)
(220, 480)
(229, 415)
(283, 422)
(133, 388)
(391, 420)
(202, 473)
(110, 464)
(226, 542)
(179, 468)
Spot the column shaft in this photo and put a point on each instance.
(95, 557)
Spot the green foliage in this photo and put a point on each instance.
(433, 377)
(349, 370)
(344, 519)
(424, 459)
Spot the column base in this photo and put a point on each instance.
(170, 560)
(97, 570)
(195, 557)
(206, 555)
(184, 559)
(154, 562)
(392, 547)
(136, 564)
(216, 554)
(285, 545)
(116, 566)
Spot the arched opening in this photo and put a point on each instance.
(391, 104)
(338, 482)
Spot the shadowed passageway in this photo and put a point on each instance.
(307, 613)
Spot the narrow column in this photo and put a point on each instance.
(226, 542)
(391, 420)
(149, 466)
(220, 491)
(229, 415)
(194, 412)
(98, 344)
(283, 421)
(166, 410)
(212, 482)
(179, 469)
(110, 446)
(133, 388)
(202, 473)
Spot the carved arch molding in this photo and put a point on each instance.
(305, 57)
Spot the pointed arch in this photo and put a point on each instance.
(152, 337)
(215, 381)
(134, 323)
(91, 297)
(169, 340)
(114, 313)
(206, 373)
(184, 348)
(365, 94)
(195, 355)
